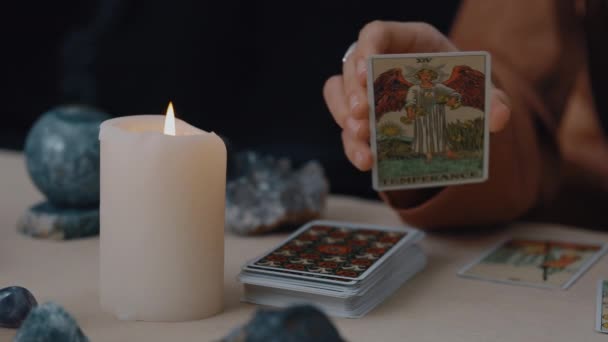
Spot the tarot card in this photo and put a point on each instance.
(429, 119)
(398, 261)
(335, 250)
(540, 263)
(601, 318)
(277, 273)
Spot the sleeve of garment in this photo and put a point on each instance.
(410, 99)
(536, 48)
(447, 91)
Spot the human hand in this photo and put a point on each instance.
(411, 114)
(453, 103)
(345, 95)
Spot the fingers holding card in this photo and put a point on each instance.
(429, 119)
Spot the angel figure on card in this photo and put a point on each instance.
(425, 105)
(423, 92)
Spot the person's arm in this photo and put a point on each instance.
(411, 102)
(536, 49)
(452, 97)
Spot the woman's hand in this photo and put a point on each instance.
(346, 94)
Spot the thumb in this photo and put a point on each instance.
(500, 110)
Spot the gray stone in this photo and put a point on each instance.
(62, 158)
(47, 221)
(266, 194)
(16, 303)
(62, 155)
(49, 322)
(299, 323)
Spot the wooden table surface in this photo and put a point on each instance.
(436, 305)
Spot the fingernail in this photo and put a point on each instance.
(361, 67)
(359, 158)
(354, 102)
(353, 125)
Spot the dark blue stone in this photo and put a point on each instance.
(47, 221)
(49, 322)
(299, 323)
(15, 304)
(62, 155)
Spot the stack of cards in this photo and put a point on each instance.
(345, 269)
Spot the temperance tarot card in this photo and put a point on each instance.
(429, 119)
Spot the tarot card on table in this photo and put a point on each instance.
(601, 319)
(346, 269)
(540, 263)
(429, 119)
(338, 250)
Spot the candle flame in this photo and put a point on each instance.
(170, 120)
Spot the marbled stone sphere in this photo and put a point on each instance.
(298, 323)
(16, 303)
(62, 155)
(49, 322)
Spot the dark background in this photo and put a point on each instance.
(251, 71)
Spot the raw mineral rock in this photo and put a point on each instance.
(16, 303)
(300, 323)
(47, 221)
(266, 194)
(49, 322)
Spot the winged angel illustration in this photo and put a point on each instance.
(422, 93)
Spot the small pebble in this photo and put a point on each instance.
(16, 303)
(298, 323)
(49, 322)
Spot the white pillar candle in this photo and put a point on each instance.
(162, 206)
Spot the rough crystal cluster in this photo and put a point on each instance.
(300, 323)
(47, 221)
(16, 303)
(265, 194)
(49, 322)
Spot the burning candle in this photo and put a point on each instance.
(162, 197)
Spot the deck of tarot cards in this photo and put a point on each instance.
(343, 268)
